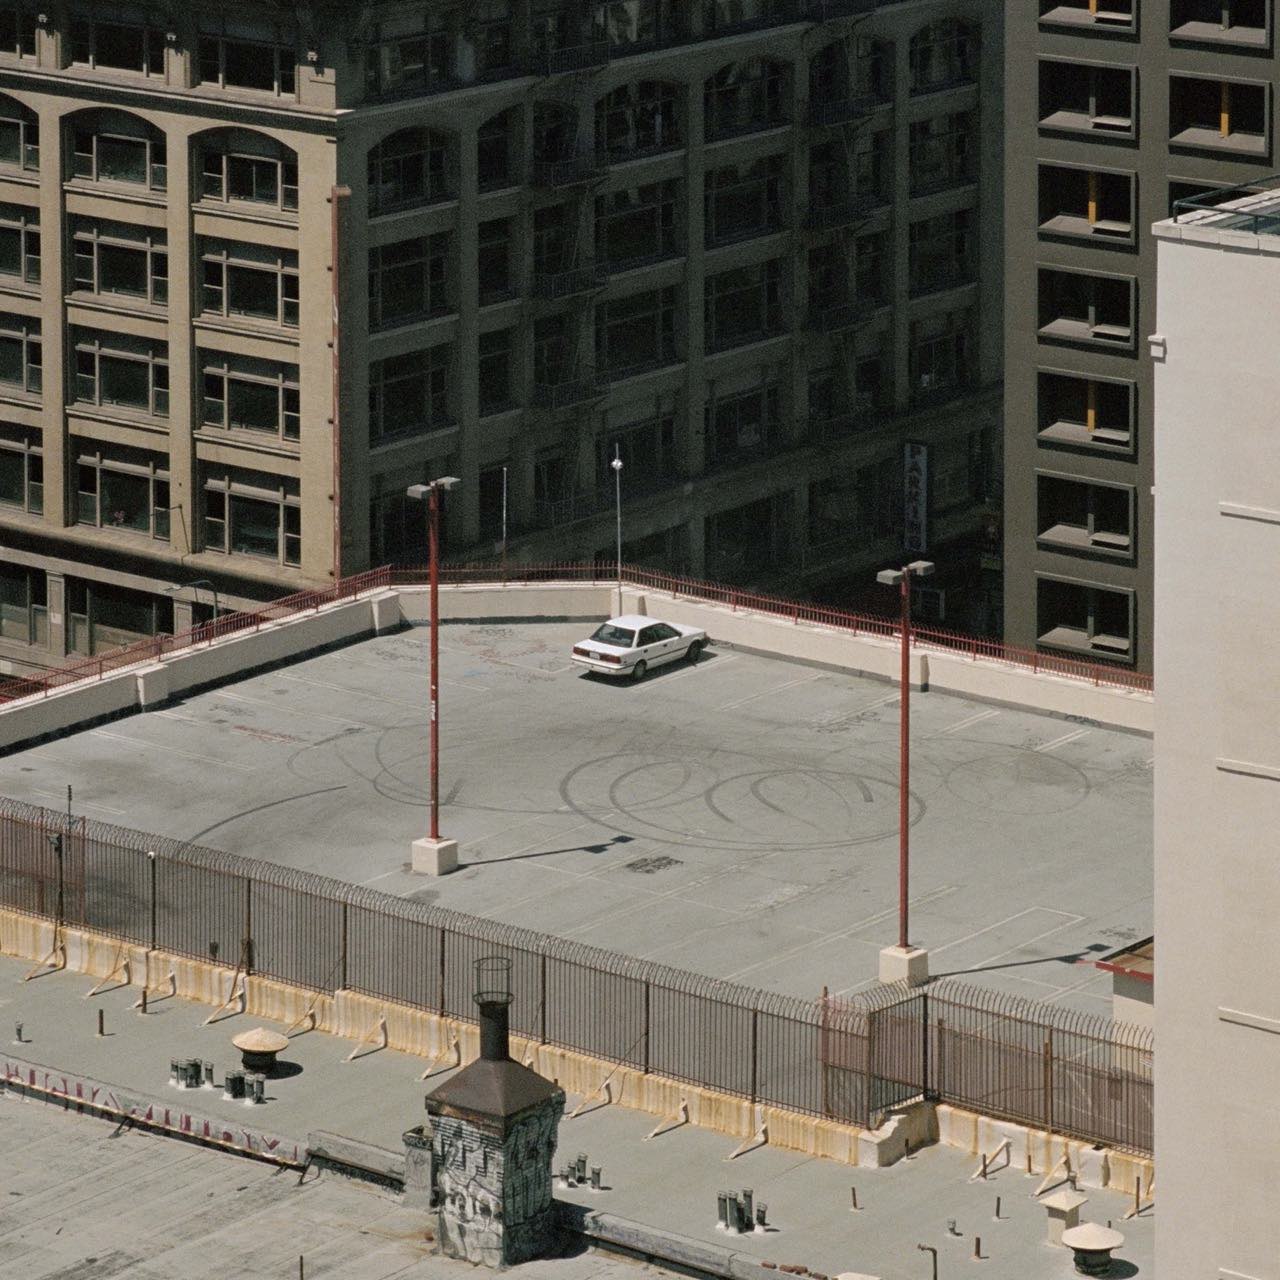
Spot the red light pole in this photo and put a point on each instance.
(904, 961)
(432, 855)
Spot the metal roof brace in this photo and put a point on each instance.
(362, 1049)
(988, 1160)
(242, 995)
(758, 1139)
(454, 1051)
(120, 965)
(54, 961)
(665, 1126)
(1138, 1198)
(172, 982)
(605, 1088)
(1064, 1162)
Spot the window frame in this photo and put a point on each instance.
(27, 124)
(1087, 332)
(152, 244)
(222, 482)
(284, 168)
(1074, 227)
(717, 289)
(1065, 434)
(27, 331)
(436, 368)
(28, 444)
(25, 221)
(1086, 539)
(153, 42)
(25, 25)
(283, 378)
(284, 64)
(220, 256)
(89, 343)
(157, 170)
(1087, 642)
(662, 208)
(660, 315)
(156, 474)
(1071, 121)
(433, 282)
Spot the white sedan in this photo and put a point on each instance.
(631, 644)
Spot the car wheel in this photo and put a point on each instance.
(637, 672)
(694, 651)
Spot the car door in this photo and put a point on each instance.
(668, 642)
(648, 645)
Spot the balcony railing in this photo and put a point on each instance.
(579, 390)
(551, 286)
(829, 10)
(836, 317)
(826, 112)
(580, 57)
(569, 171)
(841, 213)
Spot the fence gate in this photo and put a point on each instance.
(898, 1067)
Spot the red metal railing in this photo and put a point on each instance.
(152, 648)
(735, 598)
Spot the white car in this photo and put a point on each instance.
(631, 644)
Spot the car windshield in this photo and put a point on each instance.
(607, 633)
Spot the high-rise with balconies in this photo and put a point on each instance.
(263, 267)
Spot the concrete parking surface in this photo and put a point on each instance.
(738, 818)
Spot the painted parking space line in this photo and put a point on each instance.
(764, 693)
(999, 924)
(1062, 741)
(144, 745)
(85, 804)
(297, 711)
(698, 669)
(966, 723)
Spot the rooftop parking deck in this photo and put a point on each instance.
(738, 818)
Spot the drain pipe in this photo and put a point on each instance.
(929, 1249)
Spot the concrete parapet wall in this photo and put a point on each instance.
(448, 1042)
(1038, 1152)
(527, 601)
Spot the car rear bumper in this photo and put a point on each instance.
(601, 668)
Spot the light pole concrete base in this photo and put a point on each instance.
(904, 964)
(434, 857)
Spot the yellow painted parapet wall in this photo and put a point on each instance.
(354, 1016)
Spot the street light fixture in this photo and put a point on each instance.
(616, 464)
(432, 855)
(904, 960)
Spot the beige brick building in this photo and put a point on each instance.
(752, 246)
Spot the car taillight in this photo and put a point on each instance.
(609, 657)
(580, 652)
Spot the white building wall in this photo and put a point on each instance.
(1217, 754)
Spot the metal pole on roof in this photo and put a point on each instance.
(616, 464)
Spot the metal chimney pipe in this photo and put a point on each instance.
(493, 995)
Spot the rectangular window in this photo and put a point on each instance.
(18, 30)
(120, 259)
(1219, 115)
(409, 170)
(226, 176)
(941, 359)
(109, 157)
(243, 394)
(743, 305)
(121, 372)
(20, 354)
(650, 458)
(630, 26)
(248, 64)
(253, 514)
(1077, 97)
(493, 265)
(1096, 413)
(21, 469)
(743, 426)
(1084, 618)
(19, 244)
(943, 152)
(24, 604)
(1221, 22)
(1103, 15)
(637, 333)
(724, 16)
(1080, 515)
(637, 225)
(1089, 203)
(495, 371)
(638, 119)
(117, 46)
(941, 252)
(1094, 309)
(408, 281)
(409, 63)
(745, 201)
(121, 488)
(251, 281)
(494, 153)
(408, 394)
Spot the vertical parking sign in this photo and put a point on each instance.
(915, 490)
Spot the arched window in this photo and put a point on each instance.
(114, 146)
(19, 136)
(639, 119)
(851, 70)
(745, 96)
(409, 169)
(943, 54)
(241, 166)
(555, 132)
